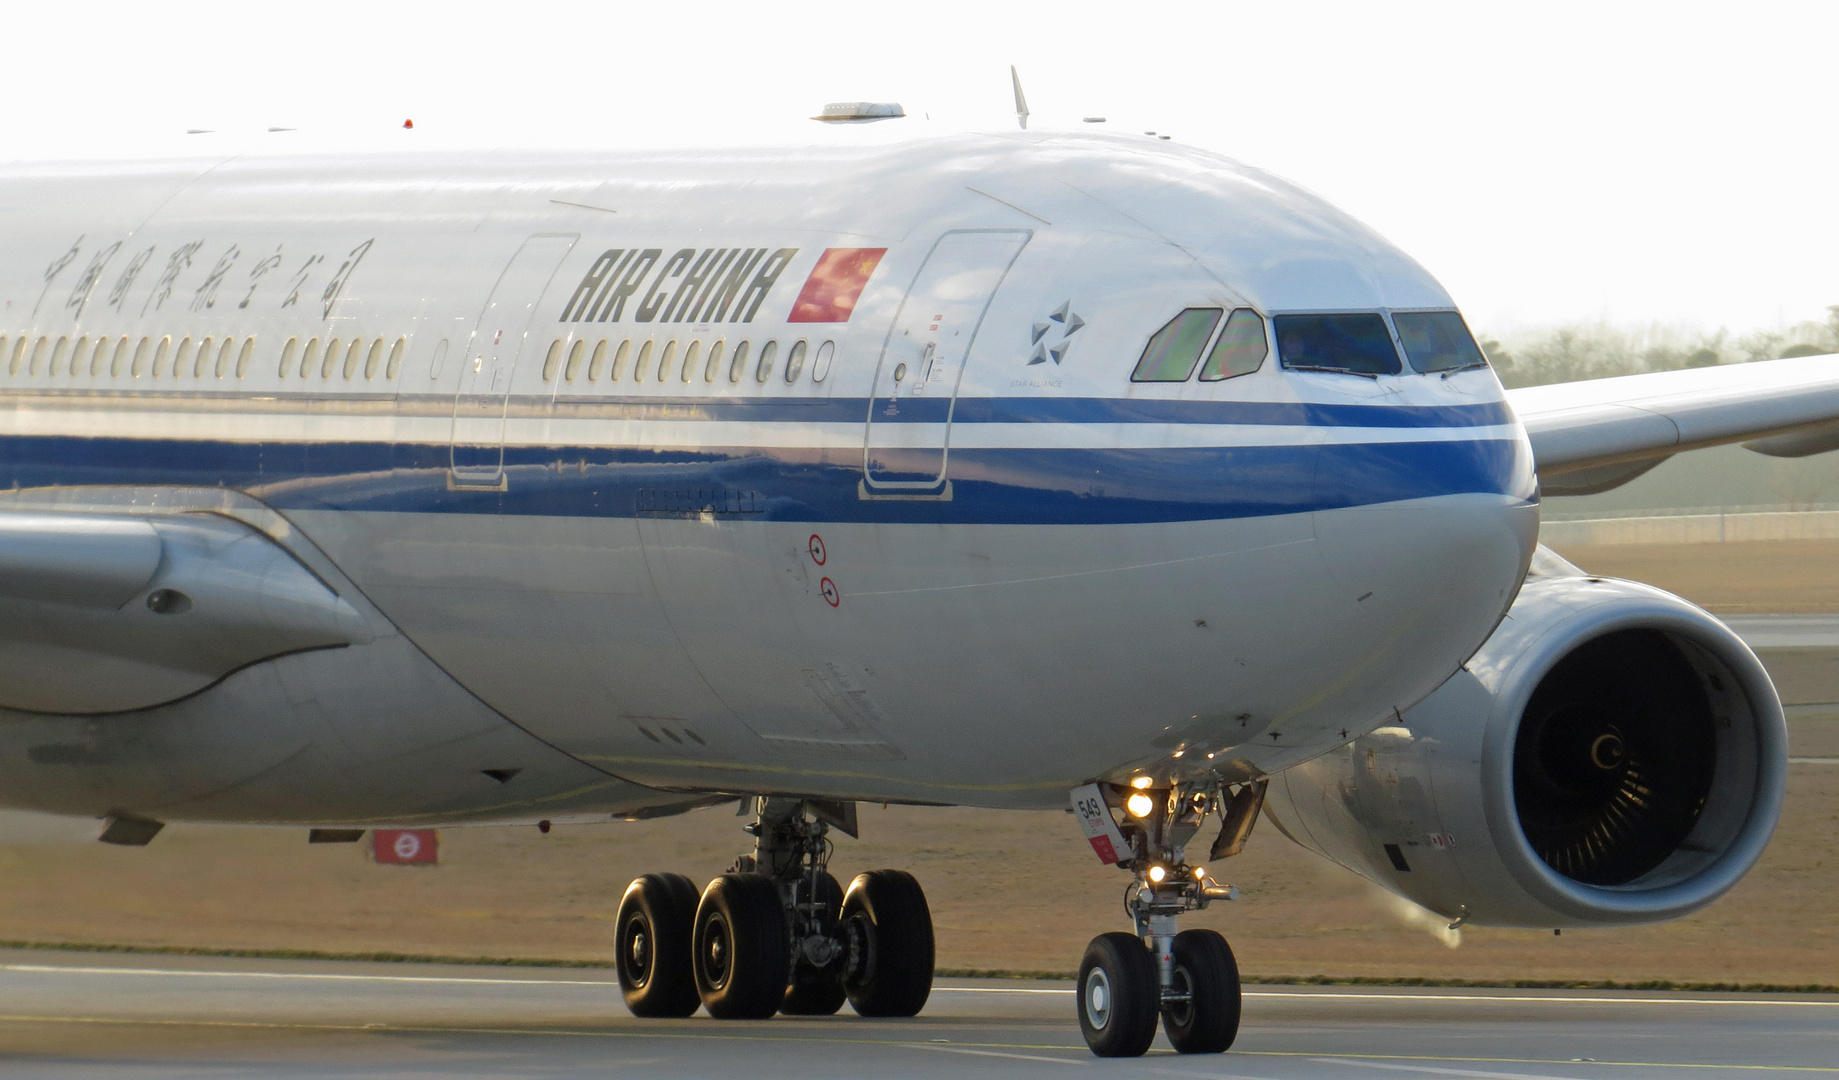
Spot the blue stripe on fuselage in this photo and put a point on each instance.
(996, 486)
(969, 410)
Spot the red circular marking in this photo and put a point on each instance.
(831, 595)
(816, 547)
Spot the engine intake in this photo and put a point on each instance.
(1612, 754)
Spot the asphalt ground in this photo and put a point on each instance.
(129, 1016)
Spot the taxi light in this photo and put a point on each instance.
(1141, 782)
(1200, 873)
(1156, 874)
(1139, 805)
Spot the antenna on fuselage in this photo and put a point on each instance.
(1021, 103)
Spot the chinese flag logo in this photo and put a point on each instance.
(836, 282)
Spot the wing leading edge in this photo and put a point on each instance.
(1599, 434)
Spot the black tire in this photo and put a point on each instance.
(1208, 1021)
(1119, 995)
(819, 991)
(652, 942)
(741, 951)
(889, 930)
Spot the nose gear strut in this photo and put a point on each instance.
(1191, 978)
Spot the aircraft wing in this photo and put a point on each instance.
(1595, 435)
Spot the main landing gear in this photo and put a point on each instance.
(777, 933)
(1188, 978)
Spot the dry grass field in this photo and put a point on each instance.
(1010, 891)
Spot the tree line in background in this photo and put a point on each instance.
(1601, 350)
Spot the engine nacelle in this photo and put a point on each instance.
(1613, 754)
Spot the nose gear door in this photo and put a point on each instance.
(923, 359)
(501, 338)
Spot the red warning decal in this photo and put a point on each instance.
(835, 284)
(404, 846)
(818, 554)
(829, 589)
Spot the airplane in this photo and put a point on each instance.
(1051, 468)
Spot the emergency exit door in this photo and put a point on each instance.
(923, 359)
(506, 335)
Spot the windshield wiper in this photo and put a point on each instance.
(1447, 372)
(1332, 370)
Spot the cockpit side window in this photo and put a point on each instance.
(1240, 350)
(1172, 353)
(1437, 341)
(1357, 344)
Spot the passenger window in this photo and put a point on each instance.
(599, 361)
(552, 361)
(3, 344)
(309, 358)
(575, 352)
(243, 358)
(764, 370)
(1437, 341)
(204, 358)
(140, 359)
(394, 367)
(331, 361)
(820, 367)
(351, 357)
(738, 365)
(119, 358)
(619, 361)
(19, 353)
(716, 351)
(794, 361)
(288, 352)
(690, 356)
(57, 354)
(438, 362)
(76, 355)
(1173, 350)
(373, 359)
(643, 362)
(159, 356)
(223, 356)
(714, 365)
(1240, 350)
(1356, 344)
(95, 355)
(181, 356)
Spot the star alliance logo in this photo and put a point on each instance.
(1066, 323)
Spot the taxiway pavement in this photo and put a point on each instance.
(140, 1016)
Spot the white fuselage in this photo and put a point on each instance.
(1006, 572)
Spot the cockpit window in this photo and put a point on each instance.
(1172, 353)
(1357, 344)
(1240, 350)
(1437, 341)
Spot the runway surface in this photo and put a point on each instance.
(127, 1016)
(1762, 632)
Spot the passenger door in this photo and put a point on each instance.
(500, 340)
(922, 361)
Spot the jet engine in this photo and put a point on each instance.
(1611, 755)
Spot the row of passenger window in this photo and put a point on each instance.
(114, 357)
(1353, 343)
(668, 362)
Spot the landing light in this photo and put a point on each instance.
(1139, 805)
(1156, 874)
(1141, 782)
(1200, 873)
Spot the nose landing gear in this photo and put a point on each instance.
(778, 933)
(1189, 978)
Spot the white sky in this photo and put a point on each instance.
(1548, 162)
